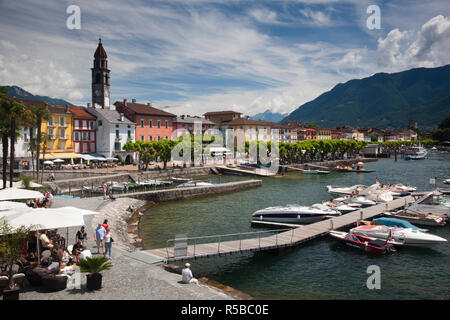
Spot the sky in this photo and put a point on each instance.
(195, 56)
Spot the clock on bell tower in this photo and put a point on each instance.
(100, 78)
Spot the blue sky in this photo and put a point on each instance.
(207, 55)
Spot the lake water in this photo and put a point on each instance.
(320, 269)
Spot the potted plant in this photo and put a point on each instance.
(93, 266)
(11, 244)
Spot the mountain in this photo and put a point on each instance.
(269, 116)
(18, 92)
(383, 100)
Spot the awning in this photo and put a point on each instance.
(60, 155)
(16, 194)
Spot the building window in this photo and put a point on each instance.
(150, 138)
(50, 146)
(129, 134)
(167, 137)
(84, 136)
(159, 137)
(142, 123)
(117, 134)
(159, 123)
(92, 147)
(76, 136)
(62, 121)
(77, 147)
(91, 125)
(85, 124)
(150, 123)
(62, 145)
(50, 132)
(77, 124)
(142, 138)
(92, 136)
(62, 133)
(117, 146)
(99, 122)
(166, 123)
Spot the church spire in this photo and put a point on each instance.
(100, 53)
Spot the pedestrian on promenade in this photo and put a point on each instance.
(105, 224)
(108, 243)
(99, 235)
(104, 191)
(81, 236)
(186, 275)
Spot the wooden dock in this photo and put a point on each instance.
(281, 239)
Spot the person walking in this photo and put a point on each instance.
(99, 235)
(108, 243)
(105, 224)
(104, 191)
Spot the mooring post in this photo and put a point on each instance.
(361, 215)
(331, 224)
(387, 206)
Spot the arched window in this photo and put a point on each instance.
(98, 78)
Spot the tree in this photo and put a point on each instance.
(11, 245)
(164, 150)
(40, 113)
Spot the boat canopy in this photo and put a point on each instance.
(393, 222)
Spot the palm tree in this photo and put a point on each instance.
(40, 113)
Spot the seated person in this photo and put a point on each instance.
(45, 241)
(50, 266)
(76, 250)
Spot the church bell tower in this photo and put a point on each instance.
(100, 78)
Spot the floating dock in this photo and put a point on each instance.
(280, 240)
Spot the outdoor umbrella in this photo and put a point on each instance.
(111, 159)
(16, 194)
(48, 162)
(19, 184)
(58, 160)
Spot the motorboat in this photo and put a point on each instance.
(394, 222)
(339, 206)
(407, 236)
(180, 180)
(377, 193)
(402, 187)
(367, 244)
(315, 171)
(416, 153)
(195, 184)
(446, 181)
(360, 201)
(345, 191)
(419, 218)
(294, 214)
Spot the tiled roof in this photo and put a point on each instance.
(243, 121)
(217, 113)
(30, 102)
(60, 110)
(192, 120)
(143, 109)
(109, 115)
(80, 112)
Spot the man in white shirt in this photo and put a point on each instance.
(186, 275)
(46, 243)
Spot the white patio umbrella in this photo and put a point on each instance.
(48, 162)
(58, 160)
(111, 159)
(17, 194)
(8, 205)
(19, 184)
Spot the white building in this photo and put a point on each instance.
(113, 131)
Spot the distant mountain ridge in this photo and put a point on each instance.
(383, 100)
(18, 92)
(269, 116)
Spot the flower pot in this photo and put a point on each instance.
(11, 294)
(94, 281)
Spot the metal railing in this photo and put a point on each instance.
(237, 236)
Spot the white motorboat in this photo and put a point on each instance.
(195, 184)
(402, 187)
(416, 153)
(377, 193)
(446, 181)
(357, 201)
(345, 191)
(407, 236)
(180, 180)
(341, 207)
(294, 214)
(419, 218)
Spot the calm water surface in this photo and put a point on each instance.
(321, 269)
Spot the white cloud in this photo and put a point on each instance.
(317, 18)
(427, 47)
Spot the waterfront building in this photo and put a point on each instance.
(113, 131)
(188, 123)
(100, 78)
(221, 117)
(84, 131)
(306, 134)
(59, 130)
(152, 124)
(323, 134)
(23, 155)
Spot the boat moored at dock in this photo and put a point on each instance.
(294, 214)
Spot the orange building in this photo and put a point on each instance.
(152, 124)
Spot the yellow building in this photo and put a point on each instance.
(59, 129)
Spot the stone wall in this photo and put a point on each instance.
(191, 192)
